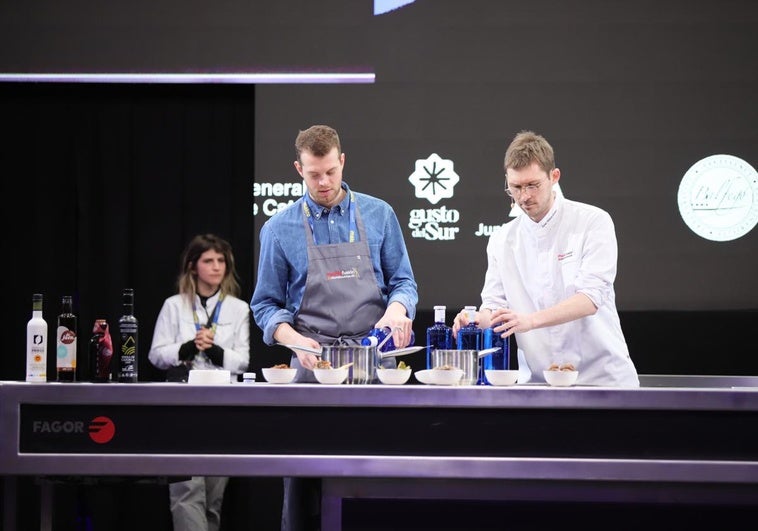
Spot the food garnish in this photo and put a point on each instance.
(562, 367)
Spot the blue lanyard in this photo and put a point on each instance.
(351, 210)
(216, 310)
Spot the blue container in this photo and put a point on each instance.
(377, 335)
(439, 336)
(470, 336)
(498, 361)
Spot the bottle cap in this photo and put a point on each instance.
(370, 341)
(248, 377)
(440, 307)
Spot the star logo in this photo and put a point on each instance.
(434, 178)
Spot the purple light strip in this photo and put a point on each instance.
(240, 78)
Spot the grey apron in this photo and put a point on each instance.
(342, 300)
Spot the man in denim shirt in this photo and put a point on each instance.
(332, 266)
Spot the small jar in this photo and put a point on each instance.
(248, 377)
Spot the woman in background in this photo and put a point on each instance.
(204, 326)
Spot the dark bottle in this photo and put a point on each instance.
(100, 352)
(65, 351)
(470, 336)
(500, 360)
(128, 333)
(439, 336)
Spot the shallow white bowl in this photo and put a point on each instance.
(501, 377)
(446, 376)
(331, 376)
(561, 378)
(209, 377)
(393, 376)
(279, 376)
(440, 376)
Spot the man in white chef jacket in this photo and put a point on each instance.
(550, 275)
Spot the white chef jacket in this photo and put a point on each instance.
(176, 325)
(532, 266)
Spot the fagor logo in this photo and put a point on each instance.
(101, 430)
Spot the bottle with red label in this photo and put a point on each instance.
(100, 352)
(65, 351)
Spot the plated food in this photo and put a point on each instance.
(331, 375)
(279, 374)
(397, 376)
(561, 374)
(442, 375)
(561, 367)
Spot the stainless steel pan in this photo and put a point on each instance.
(364, 359)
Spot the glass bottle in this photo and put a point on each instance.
(36, 343)
(376, 335)
(470, 335)
(500, 360)
(100, 352)
(65, 351)
(128, 329)
(439, 336)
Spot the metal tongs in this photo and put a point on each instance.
(300, 347)
(486, 352)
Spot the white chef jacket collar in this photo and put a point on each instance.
(546, 224)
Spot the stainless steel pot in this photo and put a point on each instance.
(468, 360)
(364, 359)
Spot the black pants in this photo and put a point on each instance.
(301, 506)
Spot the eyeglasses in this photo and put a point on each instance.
(516, 191)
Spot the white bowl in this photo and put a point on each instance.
(440, 376)
(393, 376)
(279, 376)
(501, 377)
(331, 376)
(561, 378)
(209, 377)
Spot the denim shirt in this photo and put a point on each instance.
(283, 259)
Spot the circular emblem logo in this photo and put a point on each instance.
(718, 198)
(101, 430)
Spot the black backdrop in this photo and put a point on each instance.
(112, 180)
(116, 178)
